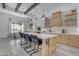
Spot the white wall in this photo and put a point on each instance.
(3, 25)
(27, 25)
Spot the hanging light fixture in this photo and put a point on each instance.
(43, 16)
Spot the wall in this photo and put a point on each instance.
(3, 25)
(64, 8)
(27, 25)
(60, 7)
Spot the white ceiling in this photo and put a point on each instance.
(46, 8)
(25, 6)
(37, 11)
(43, 8)
(11, 5)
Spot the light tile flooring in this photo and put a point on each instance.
(11, 47)
(66, 50)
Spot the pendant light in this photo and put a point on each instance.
(43, 16)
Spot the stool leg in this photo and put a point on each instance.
(29, 47)
(30, 50)
(34, 51)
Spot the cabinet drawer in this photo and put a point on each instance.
(71, 40)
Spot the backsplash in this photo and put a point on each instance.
(58, 30)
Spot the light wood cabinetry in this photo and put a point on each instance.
(49, 46)
(72, 40)
(55, 20)
(71, 18)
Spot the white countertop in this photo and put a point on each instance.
(75, 33)
(44, 36)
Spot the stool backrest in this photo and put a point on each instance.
(21, 34)
(27, 37)
(36, 40)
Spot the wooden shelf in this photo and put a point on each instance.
(71, 14)
(71, 18)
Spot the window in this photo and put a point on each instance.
(16, 27)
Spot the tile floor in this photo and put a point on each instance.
(11, 47)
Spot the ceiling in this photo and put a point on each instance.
(25, 6)
(11, 5)
(36, 11)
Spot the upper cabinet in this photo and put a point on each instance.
(55, 20)
(67, 18)
(71, 18)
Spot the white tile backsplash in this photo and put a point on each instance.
(58, 30)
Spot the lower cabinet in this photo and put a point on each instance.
(72, 40)
(49, 46)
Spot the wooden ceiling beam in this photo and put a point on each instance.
(18, 6)
(31, 7)
(3, 5)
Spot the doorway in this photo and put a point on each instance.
(14, 28)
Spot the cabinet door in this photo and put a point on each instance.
(52, 45)
(75, 40)
(59, 39)
(56, 19)
(71, 40)
(45, 46)
(49, 46)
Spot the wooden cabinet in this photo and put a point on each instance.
(72, 40)
(71, 18)
(59, 39)
(55, 20)
(49, 46)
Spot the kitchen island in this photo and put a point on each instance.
(48, 46)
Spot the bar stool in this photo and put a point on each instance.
(28, 38)
(22, 36)
(37, 41)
